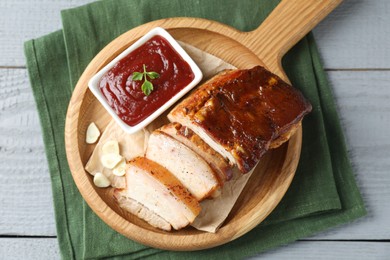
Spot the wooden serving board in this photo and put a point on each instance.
(266, 45)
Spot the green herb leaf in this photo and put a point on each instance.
(137, 76)
(153, 75)
(147, 87)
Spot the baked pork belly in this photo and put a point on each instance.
(240, 113)
(186, 136)
(192, 170)
(160, 193)
(141, 211)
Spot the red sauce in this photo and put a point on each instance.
(125, 95)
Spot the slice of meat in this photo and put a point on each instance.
(239, 113)
(186, 136)
(153, 186)
(140, 210)
(192, 171)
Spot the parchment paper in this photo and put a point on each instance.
(214, 211)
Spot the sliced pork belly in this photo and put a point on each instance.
(153, 186)
(192, 171)
(239, 113)
(186, 136)
(141, 211)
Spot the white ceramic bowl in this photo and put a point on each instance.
(93, 84)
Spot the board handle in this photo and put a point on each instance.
(289, 22)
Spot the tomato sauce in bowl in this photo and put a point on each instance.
(124, 94)
(123, 97)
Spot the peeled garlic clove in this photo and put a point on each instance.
(100, 180)
(120, 169)
(93, 133)
(110, 147)
(110, 160)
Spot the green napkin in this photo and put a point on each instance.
(323, 193)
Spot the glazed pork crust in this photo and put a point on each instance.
(241, 113)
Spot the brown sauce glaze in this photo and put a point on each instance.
(247, 110)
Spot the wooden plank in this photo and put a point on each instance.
(22, 20)
(25, 193)
(47, 248)
(29, 248)
(355, 35)
(323, 250)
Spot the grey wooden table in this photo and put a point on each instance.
(354, 42)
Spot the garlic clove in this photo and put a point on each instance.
(93, 133)
(120, 168)
(100, 180)
(110, 147)
(110, 160)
